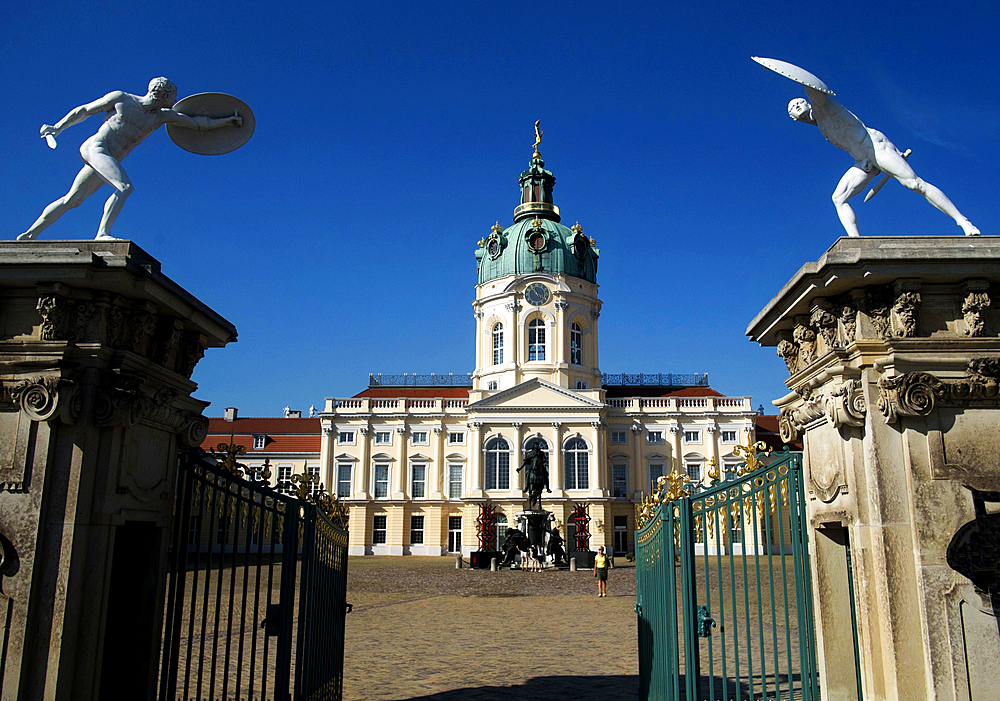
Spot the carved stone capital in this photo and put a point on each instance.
(328, 430)
(556, 424)
(788, 350)
(562, 305)
(805, 338)
(64, 319)
(516, 425)
(917, 393)
(843, 404)
(904, 314)
(45, 398)
(514, 306)
(821, 317)
(475, 425)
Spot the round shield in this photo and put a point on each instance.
(792, 72)
(214, 141)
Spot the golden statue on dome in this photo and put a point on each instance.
(538, 139)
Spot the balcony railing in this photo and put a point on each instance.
(415, 380)
(654, 379)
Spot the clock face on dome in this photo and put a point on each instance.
(536, 294)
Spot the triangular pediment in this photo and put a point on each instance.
(535, 394)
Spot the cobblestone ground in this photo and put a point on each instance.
(422, 629)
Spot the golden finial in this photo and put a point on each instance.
(536, 223)
(576, 228)
(482, 242)
(497, 229)
(749, 452)
(538, 139)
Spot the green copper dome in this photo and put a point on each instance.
(536, 242)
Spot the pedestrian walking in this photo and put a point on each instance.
(602, 564)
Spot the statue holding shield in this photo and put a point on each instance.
(128, 120)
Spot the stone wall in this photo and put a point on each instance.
(97, 348)
(893, 352)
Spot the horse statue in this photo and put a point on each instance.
(536, 474)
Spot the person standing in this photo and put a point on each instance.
(602, 563)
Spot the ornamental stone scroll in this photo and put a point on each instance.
(918, 393)
(45, 398)
(842, 404)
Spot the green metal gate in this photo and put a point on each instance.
(724, 601)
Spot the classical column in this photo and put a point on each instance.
(556, 477)
(482, 361)
(513, 353)
(713, 431)
(364, 468)
(561, 354)
(639, 476)
(475, 488)
(599, 459)
(437, 467)
(326, 448)
(515, 458)
(399, 490)
(677, 434)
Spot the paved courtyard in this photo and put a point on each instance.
(422, 629)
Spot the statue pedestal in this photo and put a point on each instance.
(892, 349)
(97, 348)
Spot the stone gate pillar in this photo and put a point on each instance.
(97, 348)
(893, 352)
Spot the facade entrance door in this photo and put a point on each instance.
(454, 534)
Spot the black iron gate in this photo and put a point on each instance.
(256, 596)
(724, 598)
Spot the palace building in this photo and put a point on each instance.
(415, 457)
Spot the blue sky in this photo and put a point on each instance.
(340, 240)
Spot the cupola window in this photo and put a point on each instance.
(498, 344)
(576, 344)
(536, 340)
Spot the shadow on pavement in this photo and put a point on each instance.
(580, 688)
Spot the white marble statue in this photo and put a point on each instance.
(128, 120)
(873, 153)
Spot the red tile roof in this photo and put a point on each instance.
(283, 435)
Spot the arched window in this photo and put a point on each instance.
(498, 344)
(536, 339)
(577, 464)
(501, 529)
(497, 463)
(576, 344)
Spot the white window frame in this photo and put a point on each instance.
(380, 441)
(582, 384)
(571, 461)
(341, 492)
(692, 436)
(414, 467)
(726, 433)
(347, 437)
(259, 441)
(452, 492)
(455, 535)
(655, 437)
(492, 386)
(651, 480)
(376, 480)
(456, 438)
(575, 345)
(380, 525)
(496, 474)
(283, 485)
(622, 434)
(313, 486)
(417, 520)
(416, 439)
(536, 340)
(497, 333)
(614, 480)
(696, 467)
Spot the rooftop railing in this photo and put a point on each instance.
(415, 380)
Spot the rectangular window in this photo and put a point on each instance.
(730, 469)
(655, 472)
(498, 344)
(344, 480)
(619, 481)
(416, 530)
(378, 530)
(381, 480)
(729, 436)
(456, 439)
(536, 340)
(418, 437)
(284, 485)
(454, 481)
(492, 385)
(619, 437)
(454, 534)
(383, 437)
(577, 472)
(497, 469)
(694, 470)
(582, 384)
(419, 481)
(345, 437)
(194, 530)
(259, 441)
(654, 436)
(576, 345)
(692, 436)
(314, 483)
